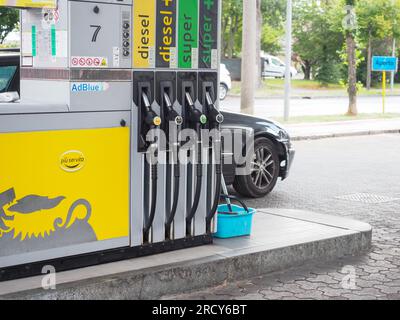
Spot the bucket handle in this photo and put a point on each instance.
(224, 196)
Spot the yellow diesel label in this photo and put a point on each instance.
(29, 3)
(144, 34)
(62, 188)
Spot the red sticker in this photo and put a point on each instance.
(97, 61)
(82, 61)
(89, 61)
(75, 61)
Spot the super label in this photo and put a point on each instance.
(188, 34)
(144, 34)
(208, 44)
(166, 34)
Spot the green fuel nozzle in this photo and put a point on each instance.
(196, 116)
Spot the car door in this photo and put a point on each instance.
(277, 68)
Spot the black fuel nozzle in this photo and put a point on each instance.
(151, 118)
(172, 114)
(195, 115)
(216, 118)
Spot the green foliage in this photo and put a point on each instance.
(271, 38)
(9, 19)
(273, 15)
(232, 11)
(318, 38)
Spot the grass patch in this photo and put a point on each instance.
(308, 88)
(334, 118)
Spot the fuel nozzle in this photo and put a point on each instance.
(216, 117)
(196, 116)
(172, 115)
(151, 118)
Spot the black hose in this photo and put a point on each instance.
(218, 185)
(214, 208)
(199, 180)
(154, 178)
(177, 176)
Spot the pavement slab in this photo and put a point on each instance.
(280, 240)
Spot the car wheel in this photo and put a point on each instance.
(223, 91)
(264, 171)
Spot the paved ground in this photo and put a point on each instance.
(321, 106)
(343, 128)
(324, 170)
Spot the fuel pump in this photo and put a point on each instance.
(196, 120)
(97, 77)
(173, 121)
(207, 88)
(149, 115)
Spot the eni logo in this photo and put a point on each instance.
(72, 161)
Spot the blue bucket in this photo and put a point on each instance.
(234, 221)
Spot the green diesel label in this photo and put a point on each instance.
(188, 34)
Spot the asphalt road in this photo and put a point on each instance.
(317, 106)
(324, 172)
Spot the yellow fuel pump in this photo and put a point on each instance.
(85, 174)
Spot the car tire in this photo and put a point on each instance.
(265, 171)
(223, 91)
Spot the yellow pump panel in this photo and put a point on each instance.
(29, 3)
(61, 188)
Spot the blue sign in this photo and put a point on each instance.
(384, 64)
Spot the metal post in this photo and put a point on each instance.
(384, 90)
(288, 59)
(393, 73)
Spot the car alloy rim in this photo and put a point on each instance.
(222, 92)
(263, 168)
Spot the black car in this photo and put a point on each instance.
(271, 154)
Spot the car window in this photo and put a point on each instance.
(276, 62)
(6, 76)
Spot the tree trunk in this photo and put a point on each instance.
(233, 31)
(307, 70)
(369, 62)
(352, 62)
(248, 56)
(258, 39)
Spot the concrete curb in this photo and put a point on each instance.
(343, 134)
(305, 97)
(153, 283)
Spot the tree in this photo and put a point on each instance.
(375, 22)
(350, 26)
(248, 56)
(318, 38)
(9, 19)
(232, 12)
(258, 42)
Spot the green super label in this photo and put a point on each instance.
(188, 34)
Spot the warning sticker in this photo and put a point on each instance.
(89, 62)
